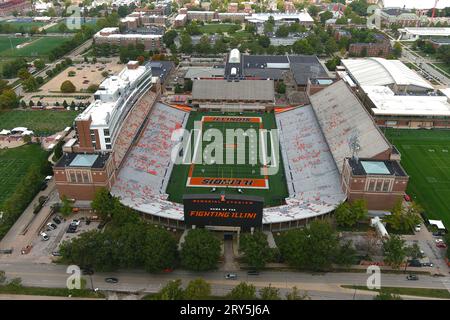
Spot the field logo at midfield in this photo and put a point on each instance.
(250, 147)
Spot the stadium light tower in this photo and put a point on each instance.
(354, 145)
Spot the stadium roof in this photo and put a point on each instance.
(387, 103)
(204, 72)
(382, 72)
(252, 90)
(263, 17)
(342, 117)
(415, 4)
(443, 32)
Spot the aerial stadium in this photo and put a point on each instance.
(162, 162)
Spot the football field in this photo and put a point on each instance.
(426, 159)
(233, 154)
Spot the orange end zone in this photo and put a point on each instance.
(228, 182)
(231, 119)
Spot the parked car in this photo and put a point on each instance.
(44, 236)
(427, 264)
(111, 280)
(87, 271)
(56, 220)
(412, 277)
(417, 228)
(56, 254)
(253, 272)
(414, 263)
(75, 223)
(407, 198)
(441, 245)
(231, 276)
(44, 186)
(51, 226)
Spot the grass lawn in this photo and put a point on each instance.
(14, 164)
(218, 27)
(39, 46)
(25, 26)
(426, 159)
(229, 168)
(241, 35)
(42, 122)
(55, 292)
(419, 292)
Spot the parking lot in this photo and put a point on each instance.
(43, 250)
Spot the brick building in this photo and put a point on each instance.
(112, 36)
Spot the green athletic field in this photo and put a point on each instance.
(273, 196)
(426, 159)
(42, 122)
(14, 165)
(38, 46)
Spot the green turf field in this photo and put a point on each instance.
(25, 26)
(38, 46)
(274, 195)
(426, 159)
(218, 27)
(14, 164)
(42, 122)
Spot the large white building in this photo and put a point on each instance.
(381, 72)
(413, 34)
(99, 124)
(302, 17)
(415, 4)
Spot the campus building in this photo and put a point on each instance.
(98, 126)
(113, 37)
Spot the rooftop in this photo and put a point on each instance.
(415, 4)
(251, 90)
(361, 167)
(95, 161)
(382, 72)
(386, 102)
(445, 32)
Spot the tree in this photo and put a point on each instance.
(30, 84)
(188, 85)
(39, 64)
(160, 250)
(66, 208)
(171, 291)
(200, 250)
(256, 249)
(282, 31)
(295, 295)
(23, 74)
(169, 37)
(394, 251)
(313, 10)
(9, 99)
(397, 49)
(324, 16)
(2, 277)
(103, 203)
(67, 87)
(348, 214)
(197, 289)
(384, 295)
(281, 88)
(404, 218)
(264, 41)
(243, 291)
(269, 293)
(92, 88)
(311, 248)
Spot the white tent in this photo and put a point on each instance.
(19, 129)
(27, 133)
(438, 224)
(5, 132)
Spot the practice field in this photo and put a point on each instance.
(33, 46)
(218, 27)
(237, 165)
(42, 122)
(14, 164)
(426, 159)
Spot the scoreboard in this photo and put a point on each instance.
(223, 210)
